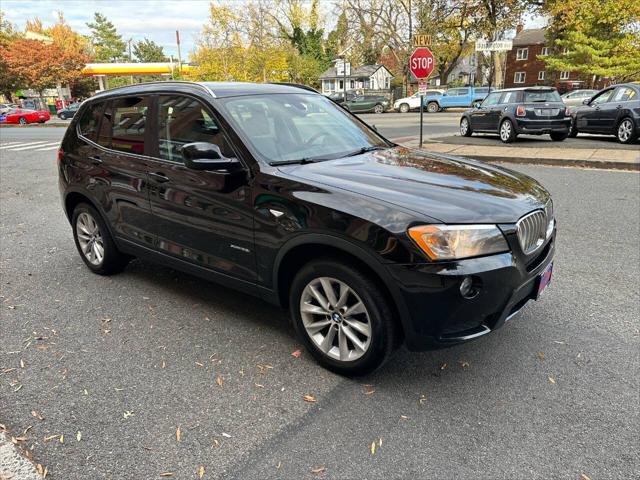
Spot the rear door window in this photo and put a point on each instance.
(625, 94)
(90, 121)
(129, 124)
(509, 97)
(184, 120)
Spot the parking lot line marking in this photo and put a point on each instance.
(18, 148)
(2, 144)
(46, 149)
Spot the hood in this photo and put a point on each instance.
(446, 188)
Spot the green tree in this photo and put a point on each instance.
(107, 43)
(595, 38)
(148, 51)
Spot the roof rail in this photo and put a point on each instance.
(297, 85)
(159, 82)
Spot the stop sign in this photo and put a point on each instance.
(421, 62)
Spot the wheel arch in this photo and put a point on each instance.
(304, 248)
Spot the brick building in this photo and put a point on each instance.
(525, 67)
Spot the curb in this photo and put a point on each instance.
(12, 464)
(34, 125)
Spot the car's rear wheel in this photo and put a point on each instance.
(23, 121)
(558, 136)
(342, 316)
(94, 242)
(507, 131)
(379, 108)
(573, 130)
(465, 127)
(433, 107)
(626, 132)
(404, 108)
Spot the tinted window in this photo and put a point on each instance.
(492, 99)
(463, 91)
(541, 96)
(104, 133)
(432, 93)
(129, 122)
(184, 120)
(602, 98)
(90, 121)
(509, 97)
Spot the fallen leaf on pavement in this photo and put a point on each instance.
(368, 389)
(61, 438)
(178, 434)
(219, 381)
(51, 437)
(296, 354)
(423, 398)
(259, 385)
(36, 415)
(21, 438)
(21, 363)
(584, 477)
(167, 474)
(541, 355)
(380, 442)
(226, 435)
(318, 469)
(373, 448)
(552, 380)
(263, 368)
(278, 465)
(79, 436)
(309, 398)
(404, 417)
(201, 471)
(464, 364)
(443, 366)
(128, 414)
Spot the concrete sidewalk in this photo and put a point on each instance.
(576, 157)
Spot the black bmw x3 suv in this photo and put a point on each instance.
(279, 192)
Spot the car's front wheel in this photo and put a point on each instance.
(507, 131)
(94, 242)
(379, 108)
(62, 116)
(626, 132)
(23, 121)
(465, 127)
(342, 316)
(433, 107)
(404, 108)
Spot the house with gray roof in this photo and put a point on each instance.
(365, 77)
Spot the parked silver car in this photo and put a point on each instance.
(576, 97)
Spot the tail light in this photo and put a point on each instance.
(521, 111)
(60, 156)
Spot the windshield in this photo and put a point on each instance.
(541, 96)
(296, 126)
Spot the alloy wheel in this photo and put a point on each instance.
(335, 319)
(404, 108)
(432, 107)
(90, 238)
(625, 130)
(23, 121)
(378, 109)
(505, 131)
(464, 126)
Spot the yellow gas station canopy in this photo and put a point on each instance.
(156, 68)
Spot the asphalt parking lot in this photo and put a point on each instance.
(156, 374)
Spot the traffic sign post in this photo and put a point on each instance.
(421, 64)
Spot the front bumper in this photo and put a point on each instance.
(438, 314)
(542, 126)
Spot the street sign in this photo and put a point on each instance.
(421, 40)
(341, 67)
(421, 62)
(422, 88)
(497, 46)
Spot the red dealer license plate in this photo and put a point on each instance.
(545, 279)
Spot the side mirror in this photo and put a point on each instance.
(374, 127)
(586, 101)
(477, 104)
(207, 156)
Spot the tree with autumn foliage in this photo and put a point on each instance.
(38, 65)
(595, 38)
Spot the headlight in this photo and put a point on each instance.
(447, 242)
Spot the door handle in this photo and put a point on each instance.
(95, 159)
(159, 177)
(618, 107)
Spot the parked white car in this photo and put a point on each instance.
(404, 105)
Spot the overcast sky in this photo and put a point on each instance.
(155, 19)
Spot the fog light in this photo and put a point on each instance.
(466, 287)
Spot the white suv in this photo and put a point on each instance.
(404, 105)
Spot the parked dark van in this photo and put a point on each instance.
(513, 111)
(277, 191)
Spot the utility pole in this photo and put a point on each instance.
(129, 42)
(179, 55)
(408, 82)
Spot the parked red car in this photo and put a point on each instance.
(24, 116)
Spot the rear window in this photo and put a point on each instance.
(541, 96)
(90, 121)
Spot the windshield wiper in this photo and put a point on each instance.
(362, 150)
(301, 161)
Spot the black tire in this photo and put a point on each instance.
(509, 135)
(378, 108)
(629, 134)
(113, 261)
(573, 130)
(23, 121)
(404, 108)
(62, 116)
(465, 131)
(558, 136)
(433, 107)
(384, 331)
